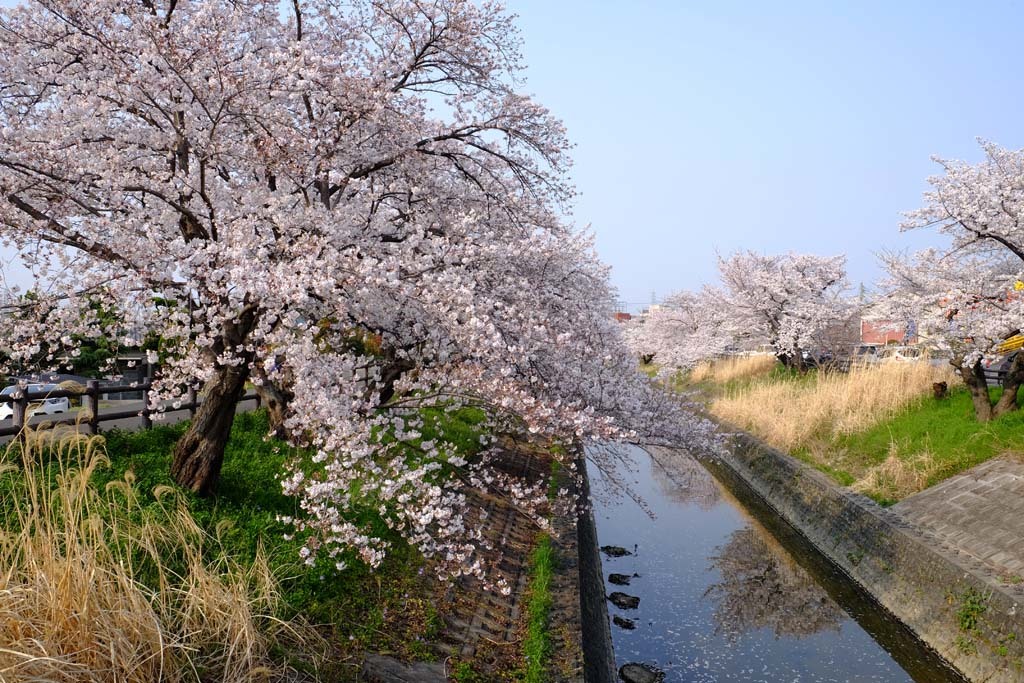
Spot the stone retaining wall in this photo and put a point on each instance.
(954, 606)
(598, 655)
(565, 624)
(481, 623)
(482, 628)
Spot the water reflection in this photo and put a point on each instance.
(681, 478)
(761, 587)
(721, 598)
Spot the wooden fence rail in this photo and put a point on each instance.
(90, 395)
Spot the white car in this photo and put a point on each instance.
(901, 353)
(46, 406)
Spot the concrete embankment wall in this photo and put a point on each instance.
(955, 607)
(598, 655)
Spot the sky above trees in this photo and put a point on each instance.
(733, 125)
(765, 126)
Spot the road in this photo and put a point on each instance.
(128, 423)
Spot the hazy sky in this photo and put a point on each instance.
(770, 126)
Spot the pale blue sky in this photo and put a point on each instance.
(770, 126)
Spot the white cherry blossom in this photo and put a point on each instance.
(347, 204)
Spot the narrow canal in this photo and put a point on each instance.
(730, 592)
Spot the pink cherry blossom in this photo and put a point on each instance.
(349, 205)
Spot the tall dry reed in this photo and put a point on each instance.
(788, 413)
(723, 370)
(895, 478)
(95, 587)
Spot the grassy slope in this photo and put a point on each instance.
(389, 609)
(384, 609)
(944, 429)
(933, 438)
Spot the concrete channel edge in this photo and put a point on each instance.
(952, 603)
(598, 655)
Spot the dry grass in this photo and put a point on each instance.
(723, 370)
(896, 478)
(94, 588)
(791, 413)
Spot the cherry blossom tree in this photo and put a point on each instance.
(964, 306)
(967, 295)
(687, 328)
(788, 300)
(346, 204)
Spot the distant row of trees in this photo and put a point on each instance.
(966, 298)
(784, 302)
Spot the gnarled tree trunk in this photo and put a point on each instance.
(1011, 384)
(199, 453)
(793, 361)
(974, 378)
(276, 400)
(391, 370)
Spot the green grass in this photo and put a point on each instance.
(944, 429)
(935, 438)
(674, 382)
(537, 643)
(358, 608)
(463, 672)
(707, 390)
(779, 373)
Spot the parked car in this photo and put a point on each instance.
(901, 353)
(46, 406)
(818, 359)
(866, 353)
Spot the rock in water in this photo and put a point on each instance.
(623, 622)
(614, 551)
(641, 673)
(619, 579)
(623, 601)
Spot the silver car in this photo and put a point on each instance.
(46, 406)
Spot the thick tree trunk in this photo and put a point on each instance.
(800, 362)
(1011, 384)
(793, 361)
(198, 455)
(974, 378)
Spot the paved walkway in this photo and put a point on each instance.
(979, 513)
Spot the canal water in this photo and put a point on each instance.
(730, 592)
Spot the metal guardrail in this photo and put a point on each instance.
(90, 395)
